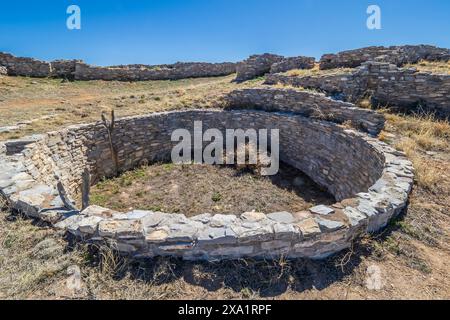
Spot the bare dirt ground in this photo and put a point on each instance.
(195, 189)
(408, 260)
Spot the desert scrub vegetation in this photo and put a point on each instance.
(441, 67)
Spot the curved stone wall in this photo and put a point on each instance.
(306, 103)
(370, 180)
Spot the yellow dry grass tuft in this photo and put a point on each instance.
(439, 67)
(421, 134)
(316, 71)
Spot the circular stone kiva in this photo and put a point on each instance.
(370, 180)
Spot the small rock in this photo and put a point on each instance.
(329, 225)
(322, 209)
(283, 217)
(309, 227)
(253, 216)
(302, 215)
(222, 220)
(157, 236)
(120, 228)
(95, 210)
(89, 224)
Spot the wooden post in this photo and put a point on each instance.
(85, 189)
(110, 125)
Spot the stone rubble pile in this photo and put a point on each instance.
(259, 65)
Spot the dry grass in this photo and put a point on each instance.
(438, 67)
(419, 135)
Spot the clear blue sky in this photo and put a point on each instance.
(166, 31)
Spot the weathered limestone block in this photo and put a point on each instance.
(321, 209)
(120, 228)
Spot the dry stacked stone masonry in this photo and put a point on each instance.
(370, 180)
(293, 63)
(398, 55)
(18, 66)
(259, 65)
(254, 66)
(309, 104)
(400, 88)
(163, 72)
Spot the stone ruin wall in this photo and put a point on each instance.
(259, 65)
(370, 180)
(18, 66)
(385, 83)
(78, 70)
(163, 72)
(292, 63)
(309, 104)
(69, 151)
(398, 55)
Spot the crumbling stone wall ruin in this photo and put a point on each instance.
(256, 66)
(259, 65)
(401, 88)
(18, 66)
(162, 72)
(398, 55)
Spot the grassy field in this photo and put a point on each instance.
(412, 254)
(51, 103)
